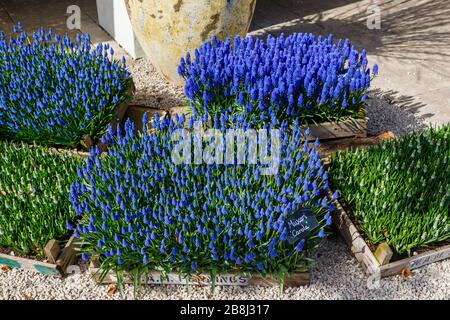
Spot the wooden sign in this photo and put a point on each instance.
(202, 280)
(239, 280)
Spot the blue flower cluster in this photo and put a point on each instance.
(55, 91)
(295, 77)
(140, 211)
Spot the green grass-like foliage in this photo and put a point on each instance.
(34, 202)
(399, 191)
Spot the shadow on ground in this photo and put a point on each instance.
(409, 29)
(391, 111)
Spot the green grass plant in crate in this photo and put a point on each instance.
(34, 202)
(399, 191)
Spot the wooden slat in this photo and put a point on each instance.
(354, 239)
(415, 262)
(324, 131)
(52, 250)
(136, 112)
(67, 256)
(155, 278)
(292, 281)
(29, 264)
(339, 130)
(329, 147)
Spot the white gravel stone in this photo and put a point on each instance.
(152, 90)
(337, 275)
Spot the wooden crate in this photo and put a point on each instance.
(156, 278)
(58, 258)
(61, 258)
(350, 128)
(136, 113)
(367, 258)
(330, 147)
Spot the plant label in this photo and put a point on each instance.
(301, 224)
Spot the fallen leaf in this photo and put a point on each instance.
(5, 268)
(27, 297)
(386, 135)
(112, 288)
(406, 273)
(386, 233)
(86, 142)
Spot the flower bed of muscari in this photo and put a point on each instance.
(296, 77)
(55, 91)
(140, 212)
(34, 203)
(399, 192)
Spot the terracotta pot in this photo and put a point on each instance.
(167, 29)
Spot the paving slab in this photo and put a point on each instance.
(53, 14)
(6, 23)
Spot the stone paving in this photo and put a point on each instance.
(412, 47)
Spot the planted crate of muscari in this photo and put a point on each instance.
(315, 81)
(142, 213)
(35, 209)
(395, 201)
(57, 92)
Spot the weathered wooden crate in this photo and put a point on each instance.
(58, 259)
(329, 147)
(136, 112)
(381, 266)
(350, 128)
(157, 278)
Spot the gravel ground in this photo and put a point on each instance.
(337, 275)
(152, 90)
